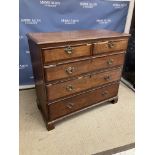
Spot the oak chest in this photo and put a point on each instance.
(75, 70)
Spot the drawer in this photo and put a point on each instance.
(66, 52)
(81, 101)
(80, 67)
(110, 46)
(55, 91)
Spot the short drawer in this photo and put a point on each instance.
(55, 91)
(81, 101)
(77, 68)
(65, 52)
(110, 46)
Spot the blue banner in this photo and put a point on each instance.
(64, 15)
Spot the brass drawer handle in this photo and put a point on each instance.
(107, 78)
(70, 70)
(68, 50)
(69, 88)
(70, 105)
(105, 93)
(110, 62)
(111, 44)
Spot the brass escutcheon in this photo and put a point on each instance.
(105, 93)
(69, 88)
(111, 44)
(68, 50)
(107, 78)
(110, 62)
(70, 70)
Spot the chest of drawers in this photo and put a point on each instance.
(75, 70)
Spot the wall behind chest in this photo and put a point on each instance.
(60, 15)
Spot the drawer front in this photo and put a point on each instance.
(110, 46)
(78, 102)
(77, 68)
(67, 52)
(82, 83)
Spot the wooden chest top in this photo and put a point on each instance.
(71, 36)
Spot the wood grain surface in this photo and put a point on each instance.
(72, 104)
(76, 68)
(82, 83)
(110, 45)
(59, 53)
(70, 36)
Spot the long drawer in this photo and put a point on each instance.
(80, 67)
(110, 46)
(55, 91)
(65, 52)
(81, 101)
